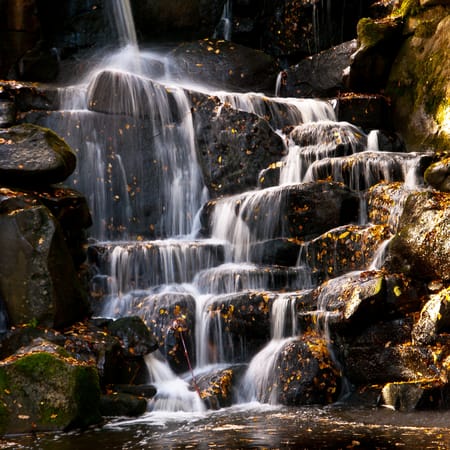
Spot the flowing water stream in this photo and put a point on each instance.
(128, 114)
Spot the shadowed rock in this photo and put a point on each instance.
(31, 155)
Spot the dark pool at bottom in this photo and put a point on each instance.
(257, 427)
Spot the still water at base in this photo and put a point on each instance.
(258, 426)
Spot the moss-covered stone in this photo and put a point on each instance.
(419, 81)
(44, 391)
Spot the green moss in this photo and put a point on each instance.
(407, 8)
(369, 32)
(40, 366)
(87, 396)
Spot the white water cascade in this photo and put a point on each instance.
(136, 141)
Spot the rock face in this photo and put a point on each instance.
(38, 279)
(234, 146)
(321, 75)
(419, 80)
(225, 65)
(420, 248)
(43, 389)
(31, 155)
(306, 373)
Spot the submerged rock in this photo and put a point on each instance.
(44, 389)
(218, 388)
(32, 155)
(122, 404)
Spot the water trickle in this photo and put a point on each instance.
(225, 26)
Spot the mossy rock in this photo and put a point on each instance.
(44, 391)
(419, 81)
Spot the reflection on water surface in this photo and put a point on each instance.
(258, 427)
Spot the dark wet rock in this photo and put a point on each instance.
(366, 111)
(170, 317)
(30, 154)
(281, 252)
(437, 175)
(359, 299)
(217, 388)
(173, 20)
(292, 30)
(135, 336)
(344, 249)
(434, 318)
(378, 44)
(226, 65)
(72, 25)
(388, 362)
(122, 404)
(7, 113)
(298, 215)
(318, 76)
(420, 247)
(37, 273)
(305, 373)
(234, 146)
(70, 209)
(245, 319)
(40, 63)
(137, 390)
(384, 203)
(415, 395)
(43, 389)
(28, 96)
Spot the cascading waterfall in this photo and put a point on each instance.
(125, 117)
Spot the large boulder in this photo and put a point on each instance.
(321, 75)
(238, 325)
(38, 280)
(234, 146)
(419, 80)
(420, 247)
(378, 43)
(305, 372)
(31, 155)
(44, 389)
(226, 65)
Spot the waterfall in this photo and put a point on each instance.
(124, 22)
(136, 142)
